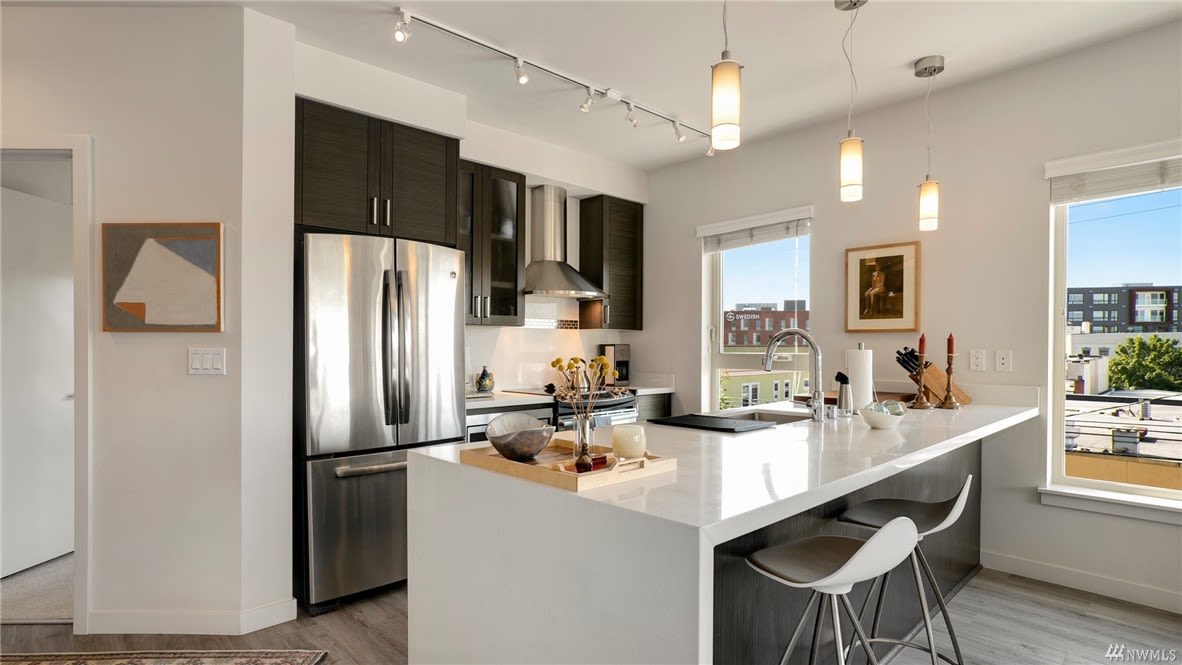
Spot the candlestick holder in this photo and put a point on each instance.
(949, 401)
(921, 400)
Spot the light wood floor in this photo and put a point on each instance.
(1000, 619)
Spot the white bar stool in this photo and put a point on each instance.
(929, 518)
(831, 566)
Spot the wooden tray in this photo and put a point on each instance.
(935, 384)
(554, 466)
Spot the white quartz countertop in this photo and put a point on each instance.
(727, 485)
(502, 398)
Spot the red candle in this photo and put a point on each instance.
(951, 345)
(923, 344)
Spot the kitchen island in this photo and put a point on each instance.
(651, 570)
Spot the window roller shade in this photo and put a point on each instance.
(755, 235)
(1114, 182)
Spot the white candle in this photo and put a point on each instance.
(628, 441)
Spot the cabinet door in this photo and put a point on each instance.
(623, 256)
(332, 168)
(504, 248)
(469, 202)
(421, 208)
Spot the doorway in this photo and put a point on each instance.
(45, 222)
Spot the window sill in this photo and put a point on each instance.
(1153, 509)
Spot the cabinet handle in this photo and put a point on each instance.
(373, 211)
(487, 307)
(607, 316)
(388, 215)
(476, 306)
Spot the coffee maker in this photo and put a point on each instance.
(619, 357)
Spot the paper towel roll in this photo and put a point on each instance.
(860, 368)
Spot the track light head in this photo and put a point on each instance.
(677, 133)
(630, 116)
(519, 69)
(402, 27)
(585, 107)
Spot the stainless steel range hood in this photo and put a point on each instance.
(548, 273)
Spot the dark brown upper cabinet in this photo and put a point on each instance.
(367, 175)
(490, 212)
(611, 255)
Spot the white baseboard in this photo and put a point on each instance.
(209, 622)
(1162, 599)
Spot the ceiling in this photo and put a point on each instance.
(659, 53)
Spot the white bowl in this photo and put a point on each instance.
(879, 420)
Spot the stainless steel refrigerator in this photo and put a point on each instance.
(379, 358)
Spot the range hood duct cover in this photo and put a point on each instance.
(548, 273)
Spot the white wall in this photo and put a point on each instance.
(36, 344)
(985, 273)
(175, 484)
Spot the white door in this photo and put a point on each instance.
(37, 360)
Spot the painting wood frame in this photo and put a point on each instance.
(882, 288)
(162, 277)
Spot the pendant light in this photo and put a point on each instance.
(850, 150)
(725, 96)
(929, 190)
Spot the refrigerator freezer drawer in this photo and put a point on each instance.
(356, 524)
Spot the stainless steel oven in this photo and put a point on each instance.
(605, 412)
(478, 422)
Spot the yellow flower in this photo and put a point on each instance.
(615, 374)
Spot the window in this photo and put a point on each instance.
(1120, 228)
(759, 278)
(750, 394)
(1075, 298)
(730, 339)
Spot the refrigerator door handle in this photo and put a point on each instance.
(353, 471)
(387, 353)
(403, 368)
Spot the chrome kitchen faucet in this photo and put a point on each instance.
(817, 402)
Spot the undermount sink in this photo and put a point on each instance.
(778, 417)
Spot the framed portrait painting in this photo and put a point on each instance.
(882, 288)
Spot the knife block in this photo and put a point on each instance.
(935, 384)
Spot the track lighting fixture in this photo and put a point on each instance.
(586, 105)
(401, 27)
(929, 190)
(726, 96)
(850, 149)
(402, 33)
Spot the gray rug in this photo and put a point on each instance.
(41, 594)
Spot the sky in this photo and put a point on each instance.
(765, 273)
(1129, 239)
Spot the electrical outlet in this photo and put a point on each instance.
(1005, 361)
(977, 360)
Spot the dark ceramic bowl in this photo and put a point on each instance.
(517, 436)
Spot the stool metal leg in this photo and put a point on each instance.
(862, 613)
(923, 607)
(882, 590)
(816, 648)
(837, 641)
(927, 569)
(808, 609)
(859, 632)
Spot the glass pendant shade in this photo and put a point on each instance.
(725, 103)
(851, 169)
(929, 205)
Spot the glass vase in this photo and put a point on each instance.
(582, 448)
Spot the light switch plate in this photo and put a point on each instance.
(207, 360)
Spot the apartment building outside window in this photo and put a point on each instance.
(1117, 417)
(759, 282)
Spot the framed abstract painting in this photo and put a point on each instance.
(882, 288)
(162, 276)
